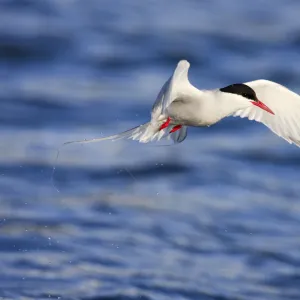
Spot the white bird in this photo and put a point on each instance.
(179, 104)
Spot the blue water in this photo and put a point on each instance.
(214, 218)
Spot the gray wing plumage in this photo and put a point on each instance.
(283, 102)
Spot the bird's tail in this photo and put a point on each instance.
(144, 133)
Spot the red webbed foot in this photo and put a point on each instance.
(175, 128)
(166, 124)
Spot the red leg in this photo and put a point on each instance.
(175, 128)
(166, 124)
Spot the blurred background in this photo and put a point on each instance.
(216, 217)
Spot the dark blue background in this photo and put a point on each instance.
(216, 217)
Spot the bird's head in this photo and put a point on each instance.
(243, 92)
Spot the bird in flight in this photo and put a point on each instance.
(179, 105)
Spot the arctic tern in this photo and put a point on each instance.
(179, 105)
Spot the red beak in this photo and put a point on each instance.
(262, 106)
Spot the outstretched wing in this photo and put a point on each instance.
(284, 103)
(170, 89)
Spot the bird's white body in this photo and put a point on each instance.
(181, 104)
(190, 106)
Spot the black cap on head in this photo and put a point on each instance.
(240, 89)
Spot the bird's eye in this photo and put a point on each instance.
(249, 96)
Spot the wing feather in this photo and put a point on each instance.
(283, 102)
(179, 135)
(170, 89)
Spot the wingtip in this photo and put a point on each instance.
(183, 63)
